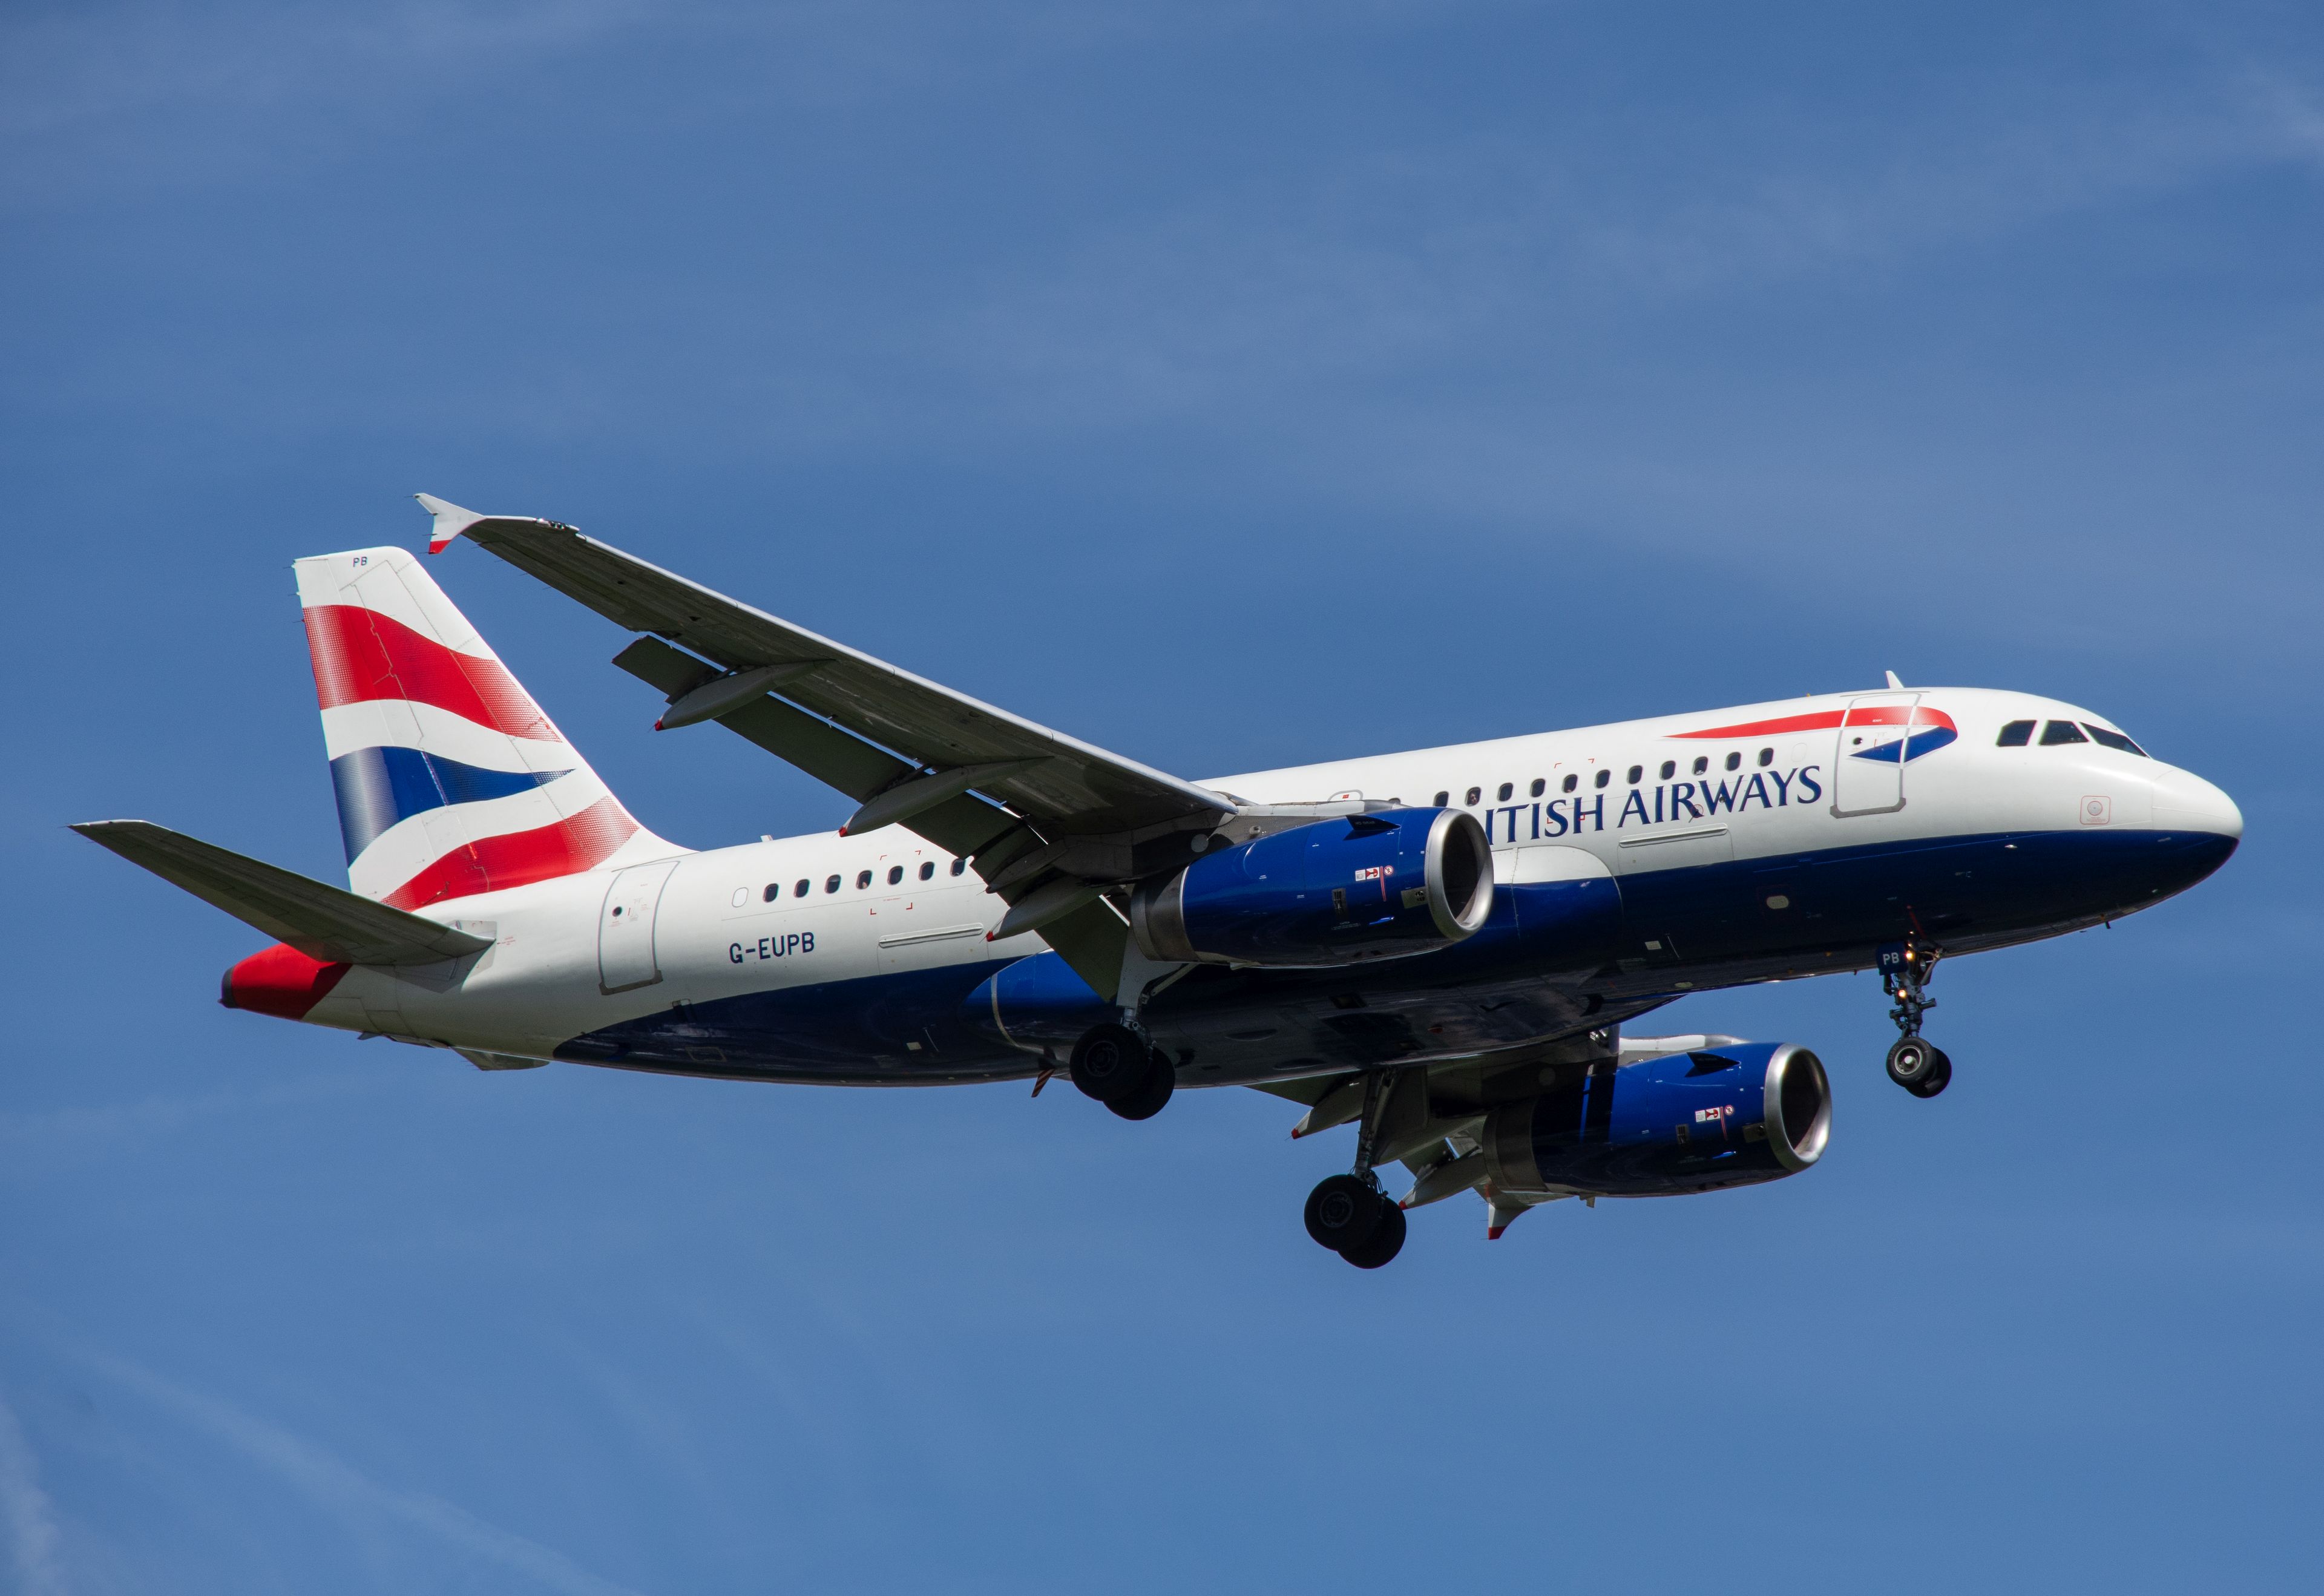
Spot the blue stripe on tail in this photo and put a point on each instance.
(377, 787)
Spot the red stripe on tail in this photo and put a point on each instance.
(361, 655)
(491, 864)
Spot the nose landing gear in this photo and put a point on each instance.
(1916, 1064)
(1349, 1214)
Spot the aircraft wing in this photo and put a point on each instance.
(1077, 820)
(322, 921)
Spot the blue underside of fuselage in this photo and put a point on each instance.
(1553, 959)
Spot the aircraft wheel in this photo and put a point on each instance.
(1938, 1078)
(1386, 1243)
(1343, 1213)
(1110, 1063)
(1913, 1063)
(1147, 1101)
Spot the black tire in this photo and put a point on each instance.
(1386, 1243)
(1939, 1076)
(1148, 1100)
(1343, 1212)
(1911, 1062)
(1110, 1063)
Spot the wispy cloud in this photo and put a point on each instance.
(29, 1516)
(337, 1485)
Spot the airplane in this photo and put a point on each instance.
(1440, 947)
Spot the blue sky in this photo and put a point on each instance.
(1231, 385)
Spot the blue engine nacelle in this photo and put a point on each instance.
(1689, 1122)
(1378, 886)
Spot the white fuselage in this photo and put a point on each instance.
(823, 908)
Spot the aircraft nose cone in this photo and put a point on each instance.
(2184, 801)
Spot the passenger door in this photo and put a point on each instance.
(1869, 766)
(625, 928)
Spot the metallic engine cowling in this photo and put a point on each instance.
(1689, 1122)
(1387, 884)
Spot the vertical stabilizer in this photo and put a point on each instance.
(450, 780)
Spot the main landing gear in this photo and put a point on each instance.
(1916, 1064)
(1114, 1064)
(1350, 1214)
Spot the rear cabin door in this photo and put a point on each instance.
(625, 928)
(1869, 768)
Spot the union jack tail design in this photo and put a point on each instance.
(450, 780)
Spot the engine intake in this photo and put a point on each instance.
(1378, 886)
(1694, 1122)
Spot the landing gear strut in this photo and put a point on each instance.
(1916, 1064)
(1349, 1214)
(1114, 1064)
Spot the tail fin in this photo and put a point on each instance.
(450, 780)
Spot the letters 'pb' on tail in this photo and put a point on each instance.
(449, 778)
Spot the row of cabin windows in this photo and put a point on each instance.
(2018, 733)
(863, 879)
(1636, 774)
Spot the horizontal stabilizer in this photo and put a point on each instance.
(322, 921)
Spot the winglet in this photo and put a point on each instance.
(451, 521)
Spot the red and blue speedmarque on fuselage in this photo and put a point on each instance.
(1440, 947)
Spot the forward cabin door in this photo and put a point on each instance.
(1869, 768)
(625, 928)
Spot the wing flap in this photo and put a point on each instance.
(322, 921)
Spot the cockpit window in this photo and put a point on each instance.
(2114, 740)
(2016, 735)
(2058, 732)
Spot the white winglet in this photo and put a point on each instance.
(451, 521)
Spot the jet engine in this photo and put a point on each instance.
(1689, 1122)
(1376, 886)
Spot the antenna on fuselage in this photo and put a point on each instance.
(1893, 683)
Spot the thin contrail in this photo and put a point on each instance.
(30, 1517)
(328, 1481)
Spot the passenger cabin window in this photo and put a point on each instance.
(1442, 798)
(1506, 789)
(1702, 764)
(774, 890)
(1539, 787)
(1571, 782)
(1670, 768)
(928, 870)
(1734, 761)
(1766, 757)
(831, 884)
(2114, 740)
(2016, 735)
(1635, 772)
(863, 879)
(895, 874)
(800, 891)
(958, 865)
(1602, 777)
(2058, 732)
(1474, 794)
